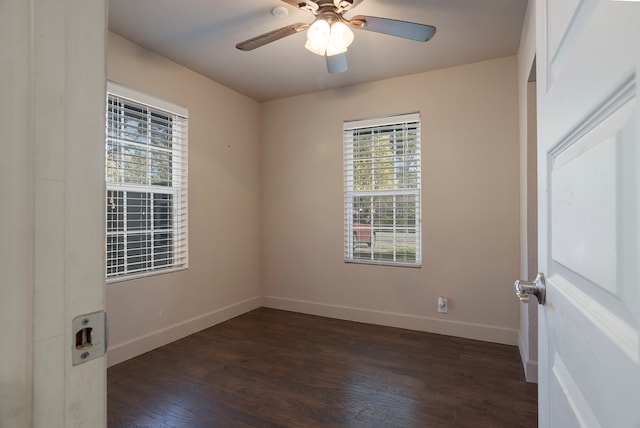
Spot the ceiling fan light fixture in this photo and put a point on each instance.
(318, 36)
(332, 50)
(330, 34)
(333, 39)
(318, 49)
(341, 38)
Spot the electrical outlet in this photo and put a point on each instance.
(442, 305)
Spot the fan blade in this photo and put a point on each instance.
(393, 27)
(337, 63)
(271, 36)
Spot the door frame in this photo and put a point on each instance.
(526, 61)
(53, 179)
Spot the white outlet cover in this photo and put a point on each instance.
(442, 305)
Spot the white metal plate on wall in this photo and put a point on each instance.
(89, 338)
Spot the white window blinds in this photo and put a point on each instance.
(382, 179)
(146, 179)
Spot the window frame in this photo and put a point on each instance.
(174, 186)
(351, 230)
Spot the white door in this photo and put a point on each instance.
(588, 73)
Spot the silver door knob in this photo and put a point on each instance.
(525, 289)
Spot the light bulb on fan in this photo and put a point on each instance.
(333, 39)
(318, 36)
(341, 38)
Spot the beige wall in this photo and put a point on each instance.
(470, 204)
(265, 201)
(223, 276)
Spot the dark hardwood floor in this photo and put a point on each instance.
(271, 368)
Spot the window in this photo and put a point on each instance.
(382, 190)
(146, 178)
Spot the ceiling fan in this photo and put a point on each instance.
(329, 35)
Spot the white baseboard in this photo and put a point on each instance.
(485, 333)
(530, 366)
(140, 345)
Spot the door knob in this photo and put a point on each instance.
(525, 289)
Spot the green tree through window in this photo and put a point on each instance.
(146, 178)
(382, 190)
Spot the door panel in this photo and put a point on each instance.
(589, 199)
(566, 20)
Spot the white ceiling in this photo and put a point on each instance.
(202, 34)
